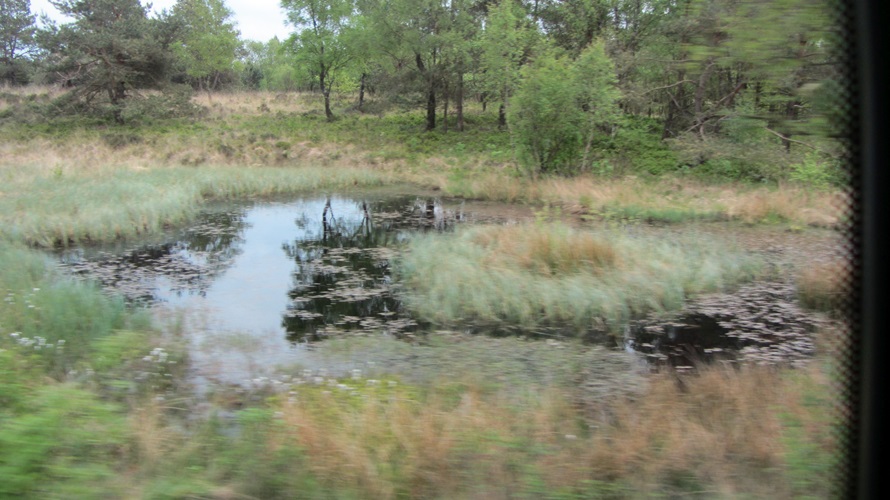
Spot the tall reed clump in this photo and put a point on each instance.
(531, 275)
(824, 286)
(114, 203)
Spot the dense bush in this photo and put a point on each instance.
(560, 107)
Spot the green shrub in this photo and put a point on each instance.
(636, 147)
(61, 446)
(818, 171)
(545, 117)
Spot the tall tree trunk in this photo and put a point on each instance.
(431, 91)
(502, 115)
(361, 93)
(116, 94)
(327, 105)
(460, 102)
(326, 92)
(446, 96)
(674, 119)
(431, 108)
(700, 98)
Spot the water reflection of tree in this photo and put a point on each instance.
(342, 280)
(189, 263)
(218, 239)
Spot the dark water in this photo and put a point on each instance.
(257, 282)
(279, 274)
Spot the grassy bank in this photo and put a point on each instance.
(108, 203)
(281, 143)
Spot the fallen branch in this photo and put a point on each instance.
(795, 141)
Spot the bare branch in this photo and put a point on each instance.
(795, 141)
(681, 82)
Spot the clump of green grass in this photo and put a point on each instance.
(534, 275)
(667, 215)
(112, 204)
(66, 364)
(54, 320)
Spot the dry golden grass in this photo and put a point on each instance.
(253, 103)
(154, 440)
(588, 194)
(824, 285)
(721, 432)
(546, 252)
(816, 208)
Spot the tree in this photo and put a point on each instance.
(409, 33)
(110, 49)
(559, 106)
(320, 44)
(545, 116)
(16, 38)
(597, 91)
(573, 24)
(505, 41)
(207, 41)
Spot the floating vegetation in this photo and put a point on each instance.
(760, 323)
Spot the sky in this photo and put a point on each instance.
(256, 19)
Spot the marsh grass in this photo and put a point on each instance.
(824, 286)
(122, 203)
(532, 275)
(485, 427)
(671, 199)
(545, 252)
(725, 432)
(66, 365)
(55, 320)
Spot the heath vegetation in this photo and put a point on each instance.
(119, 122)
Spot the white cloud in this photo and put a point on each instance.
(256, 19)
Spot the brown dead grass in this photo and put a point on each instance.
(815, 208)
(587, 194)
(721, 429)
(254, 103)
(154, 440)
(546, 250)
(824, 285)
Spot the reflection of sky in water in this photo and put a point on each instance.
(249, 275)
(252, 293)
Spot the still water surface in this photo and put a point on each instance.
(255, 284)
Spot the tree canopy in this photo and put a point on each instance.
(109, 49)
(17, 30)
(207, 42)
(718, 77)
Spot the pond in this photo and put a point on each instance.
(257, 284)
